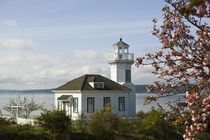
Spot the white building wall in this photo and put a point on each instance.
(113, 72)
(99, 102)
(118, 72)
(75, 95)
(121, 68)
(130, 102)
(132, 97)
(132, 105)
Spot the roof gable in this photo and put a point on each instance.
(82, 83)
(65, 97)
(121, 43)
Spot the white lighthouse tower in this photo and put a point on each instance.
(121, 61)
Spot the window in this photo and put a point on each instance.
(115, 50)
(99, 85)
(120, 56)
(127, 75)
(121, 103)
(66, 106)
(75, 105)
(120, 49)
(106, 101)
(126, 50)
(90, 105)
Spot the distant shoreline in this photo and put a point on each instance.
(140, 89)
(27, 91)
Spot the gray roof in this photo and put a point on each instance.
(82, 83)
(64, 97)
(121, 43)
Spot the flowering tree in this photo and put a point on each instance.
(184, 60)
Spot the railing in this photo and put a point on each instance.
(121, 56)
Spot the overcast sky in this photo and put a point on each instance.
(45, 43)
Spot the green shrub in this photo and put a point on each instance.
(5, 121)
(22, 132)
(154, 126)
(56, 125)
(81, 125)
(140, 114)
(56, 121)
(104, 123)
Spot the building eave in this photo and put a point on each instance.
(91, 91)
(120, 61)
(66, 91)
(105, 91)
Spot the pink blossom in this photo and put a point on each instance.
(154, 20)
(187, 60)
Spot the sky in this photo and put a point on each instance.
(46, 43)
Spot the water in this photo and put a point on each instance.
(48, 100)
(161, 101)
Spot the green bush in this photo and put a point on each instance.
(104, 123)
(154, 126)
(81, 124)
(56, 121)
(5, 121)
(141, 114)
(22, 132)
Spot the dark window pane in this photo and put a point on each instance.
(90, 104)
(128, 76)
(99, 85)
(75, 105)
(121, 103)
(106, 101)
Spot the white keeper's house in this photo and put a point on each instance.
(90, 93)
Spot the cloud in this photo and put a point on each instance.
(90, 56)
(143, 75)
(17, 43)
(10, 23)
(81, 30)
(40, 70)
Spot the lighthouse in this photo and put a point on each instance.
(120, 63)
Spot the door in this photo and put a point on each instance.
(67, 107)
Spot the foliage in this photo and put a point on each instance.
(103, 123)
(206, 134)
(140, 114)
(184, 58)
(125, 129)
(25, 106)
(9, 130)
(4, 121)
(56, 121)
(154, 126)
(155, 122)
(82, 123)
